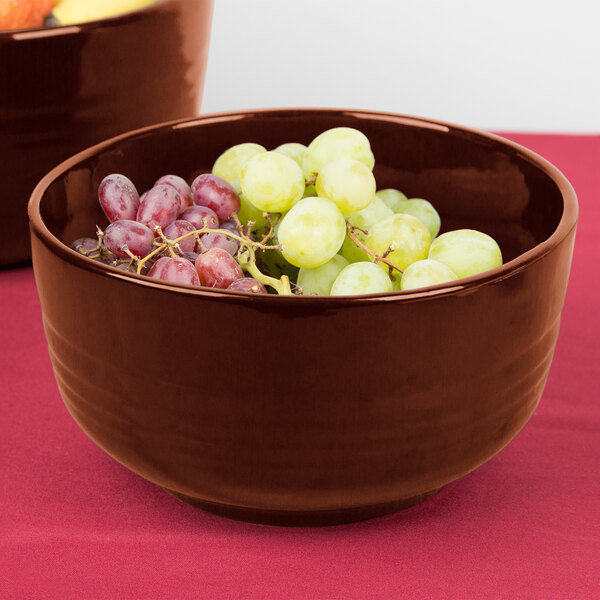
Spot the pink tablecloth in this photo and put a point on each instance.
(76, 525)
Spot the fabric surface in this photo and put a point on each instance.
(74, 524)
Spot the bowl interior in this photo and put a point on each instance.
(474, 180)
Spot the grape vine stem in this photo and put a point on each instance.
(351, 229)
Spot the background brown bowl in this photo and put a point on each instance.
(66, 88)
(309, 410)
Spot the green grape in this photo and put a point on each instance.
(334, 144)
(229, 164)
(319, 280)
(408, 237)
(424, 211)
(424, 273)
(310, 190)
(235, 184)
(392, 198)
(272, 182)
(368, 216)
(348, 183)
(466, 251)
(361, 278)
(312, 232)
(249, 212)
(351, 252)
(292, 150)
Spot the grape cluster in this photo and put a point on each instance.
(292, 220)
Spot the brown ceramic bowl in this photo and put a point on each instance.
(309, 410)
(66, 88)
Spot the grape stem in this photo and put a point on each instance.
(350, 230)
(246, 259)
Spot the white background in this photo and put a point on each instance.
(507, 65)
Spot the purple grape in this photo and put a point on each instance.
(177, 229)
(178, 270)
(136, 236)
(191, 256)
(220, 240)
(200, 217)
(85, 244)
(182, 187)
(217, 268)
(214, 192)
(118, 197)
(248, 284)
(159, 207)
(127, 267)
(230, 226)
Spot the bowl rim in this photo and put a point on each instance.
(567, 223)
(30, 33)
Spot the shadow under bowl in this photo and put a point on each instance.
(309, 410)
(63, 89)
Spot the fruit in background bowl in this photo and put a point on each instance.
(68, 12)
(24, 14)
(29, 14)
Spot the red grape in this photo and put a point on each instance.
(177, 229)
(159, 207)
(200, 217)
(220, 240)
(248, 284)
(182, 187)
(216, 193)
(118, 197)
(136, 236)
(178, 270)
(85, 244)
(217, 268)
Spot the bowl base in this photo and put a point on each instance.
(299, 518)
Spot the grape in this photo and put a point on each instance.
(361, 278)
(230, 226)
(178, 270)
(466, 251)
(319, 280)
(424, 273)
(191, 256)
(249, 212)
(272, 182)
(406, 234)
(136, 236)
(127, 267)
(200, 217)
(229, 165)
(118, 197)
(217, 268)
(348, 183)
(335, 144)
(159, 207)
(215, 193)
(310, 190)
(248, 284)
(424, 211)
(292, 150)
(351, 252)
(392, 198)
(368, 216)
(220, 240)
(178, 228)
(312, 232)
(85, 245)
(182, 187)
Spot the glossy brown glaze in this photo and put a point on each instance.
(66, 88)
(309, 410)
